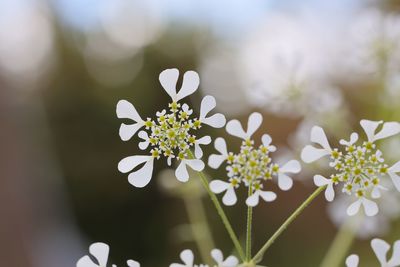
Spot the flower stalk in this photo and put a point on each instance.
(220, 211)
(249, 227)
(258, 257)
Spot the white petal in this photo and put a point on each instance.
(395, 260)
(217, 256)
(381, 248)
(205, 140)
(142, 177)
(190, 84)
(181, 172)
(266, 139)
(292, 166)
(144, 144)
(168, 79)
(370, 128)
(220, 146)
(229, 198)
(86, 262)
(268, 196)
(253, 200)
(143, 135)
(132, 263)
(320, 180)
(216, 121)
(318, 136)
(370, 207)
(195, 164)
(218, 186)
(254, 122)
(129, 163)
(231, 261)
(207, 104)
(352, 261)
(395, 167)
(234, 128)
(126, 131)
(395, 179)
(125, 110)
(198, 152)
(353, 139)
(100, 252)
(310, 154)
(354, 208)
(376, 193)
(187, 257)
(284, 182)
(330, 192)
(388, 129)
(215, 161)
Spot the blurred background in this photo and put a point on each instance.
(64, 64)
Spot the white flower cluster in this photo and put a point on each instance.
(381, 249)
(252, 166)
(359, 168)
(100, 252)
(172, 134)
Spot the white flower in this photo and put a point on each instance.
(310, 153)
(252, 166)
(126, 110)
(359, 168)
(218, 186)
(171, 134)
(100, 252)
(181, 172)
(365, 226)
(267, 196)
(285, 71)
(234, 127)
(285, 182)
(215, 161)
(320, 180)
(217, 120)
(187, 258)
(381, 249)
(370, 207)
(230, 261)
(373, 44)
(388, 129)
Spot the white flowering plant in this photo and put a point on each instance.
(172, 134)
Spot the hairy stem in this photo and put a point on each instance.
(221, 212)
(249, 226)
(341, 244)
(258, 257)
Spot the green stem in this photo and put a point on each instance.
(341, 244)
(199, 225)
(221, 212)
(249, 226)
(258, 257)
